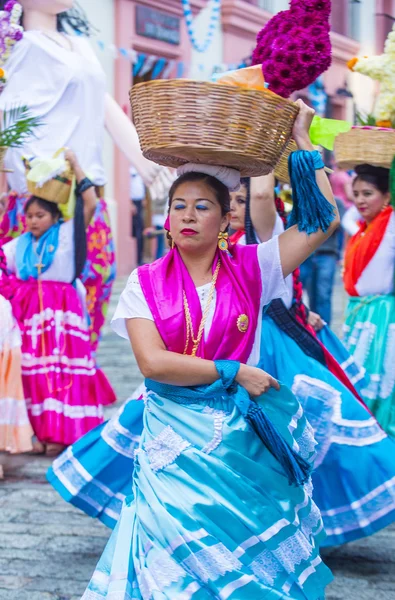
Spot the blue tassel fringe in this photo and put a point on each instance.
(297, 469)
(311, 210)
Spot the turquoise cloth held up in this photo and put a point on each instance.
(295, 467)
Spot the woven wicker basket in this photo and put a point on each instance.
(180, 121)
(55, 190)
(372, 145)
(281, 171)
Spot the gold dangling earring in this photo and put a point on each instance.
(170, 240)
(223, 241)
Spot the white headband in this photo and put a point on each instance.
(227, 176)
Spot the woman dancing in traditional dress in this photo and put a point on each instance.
(64, 390)
(354, 502)
(213, 512)
(369, 279)
(59, 78)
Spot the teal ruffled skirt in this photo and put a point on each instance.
(354, 476)
(211, 513)
(369, 334)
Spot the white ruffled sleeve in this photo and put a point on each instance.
(10, 255)
(273, 282)
(350, 220)
(132, 305)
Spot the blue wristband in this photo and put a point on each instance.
(83, 185)
(317, 160)
(227, 370)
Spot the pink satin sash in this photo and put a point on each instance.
(239, 289)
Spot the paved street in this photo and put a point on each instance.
(48, 550)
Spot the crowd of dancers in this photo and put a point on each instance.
(257, 437)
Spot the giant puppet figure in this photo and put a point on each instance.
(57, 75)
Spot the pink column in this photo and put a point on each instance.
(240, 24)
(126, 37)
(126, 251)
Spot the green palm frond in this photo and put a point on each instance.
(17, 126)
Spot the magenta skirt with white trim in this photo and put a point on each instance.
(64, 390)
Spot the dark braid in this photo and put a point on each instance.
(249, 228)
(80, 242)
(299, 307)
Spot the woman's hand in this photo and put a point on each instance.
(256, 381)
(315, 321)
(74, 164)
(71, 158)
(300, 130)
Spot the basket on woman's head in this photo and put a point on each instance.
(365, 145)
(184, 121)
(50, 179)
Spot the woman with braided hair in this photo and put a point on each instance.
(346, 433)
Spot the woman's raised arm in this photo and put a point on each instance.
(89, 196)
(296, 246)
(262, 206)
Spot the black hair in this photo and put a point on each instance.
(249, 228)
(80, 243)
(379, 177)
(50, 207)
(74, 20)
(220, 190)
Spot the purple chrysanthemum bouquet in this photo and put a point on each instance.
(294, 46)
(10, 33)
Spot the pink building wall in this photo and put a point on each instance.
(126, 37)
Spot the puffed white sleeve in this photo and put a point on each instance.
(132, 305)
(350, 221)
(273, 282)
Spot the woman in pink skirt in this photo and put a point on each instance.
(64, 390)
